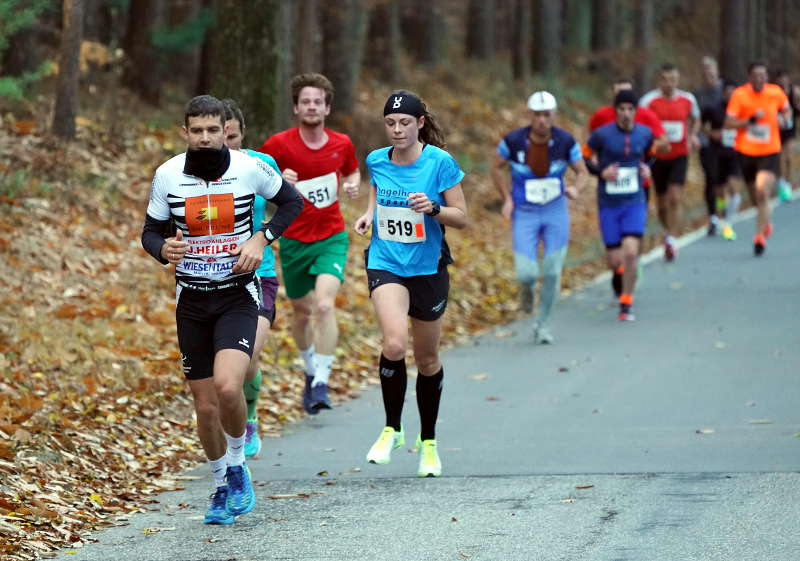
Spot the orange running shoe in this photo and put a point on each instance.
(759, 244)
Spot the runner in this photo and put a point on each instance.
(208, 193)
(265, 274)
(753, 109)
(313, 250)
(536, 203)
(788, 128)
(416, 192)
(617, 154)
(721, 163)
(680, 117)
(709, 97)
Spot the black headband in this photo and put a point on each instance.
(405, 103)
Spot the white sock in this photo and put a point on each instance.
(235, 454)
(323, 370)
(309, 359)
(218, 468)
(733, 205)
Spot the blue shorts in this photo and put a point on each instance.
(616, 222)
(548, 223)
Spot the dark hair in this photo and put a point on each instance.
(780, 72)
(311, 80)
(755, 64)
(625, 80)
(431, 132)
(204, 106)
(233, 112)
(667, 67)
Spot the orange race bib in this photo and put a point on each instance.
(210, 214)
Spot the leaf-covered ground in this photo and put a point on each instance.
(94, 415)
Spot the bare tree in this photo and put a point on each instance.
(522, 44)
(344, 29)
(603, 25)
(384, 40)
(547, 50)
(425, 30)
(643, 39)
(309, 37)
(578, 18)
(733, 26)
(69, 70)
(481, 28)
(141, 73)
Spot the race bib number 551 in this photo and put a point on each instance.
(320, 191)
(400, 224)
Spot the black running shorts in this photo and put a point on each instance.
(751, 165)
(209, 321)
(427, 293)
(669, 172)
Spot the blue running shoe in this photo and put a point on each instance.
(307, 397)
(217, 512)
(252, 442)
(319, 397)
(241, 496)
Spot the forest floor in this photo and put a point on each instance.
(94, 415)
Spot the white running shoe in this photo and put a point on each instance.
(381, 451)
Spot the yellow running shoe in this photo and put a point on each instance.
(728, 233)
(381, 451)
(429, 463)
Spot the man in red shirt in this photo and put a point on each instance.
(644, 116)
(680, 117)
(313, 252)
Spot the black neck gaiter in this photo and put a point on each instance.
(208, 164)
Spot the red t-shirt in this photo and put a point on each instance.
(644, 116)
(319, 172)
(674, 114)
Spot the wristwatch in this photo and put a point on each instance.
(436, 208)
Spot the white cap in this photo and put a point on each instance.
(542, 101)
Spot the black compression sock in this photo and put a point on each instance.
(429, 393)
(393, 387)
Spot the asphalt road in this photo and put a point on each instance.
(671, 438)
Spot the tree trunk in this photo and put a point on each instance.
(481, 28)
(579, 24)
(642, 40)
(604, 25)
(141, 74)
(344, 30)
(309, 37)
(522, 44)
(384, 40)
(732, 59)
(547, 53)
(247, 62)
(425, 31)
(69, 70)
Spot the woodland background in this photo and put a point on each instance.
(94, 415)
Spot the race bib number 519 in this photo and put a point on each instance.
(400, 224)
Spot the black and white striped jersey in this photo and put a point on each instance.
(215, 216)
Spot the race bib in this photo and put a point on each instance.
(400, 224)
(627, 182)
(674, 130)
(320, 191)
(758, 132)
(542, 191)
(728, 137)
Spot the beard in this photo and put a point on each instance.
(312, 120)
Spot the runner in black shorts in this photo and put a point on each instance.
(416, 192)
(208, 193)
(788, 127)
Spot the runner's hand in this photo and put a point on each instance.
(351, 188)
(507, 208)
(250, 254)
(759, 114)
(363, 224)
(419, 202)
(644, 170)
(694, 142)
(571, 192)
(290, 175)
(610, 173)
(174, 248)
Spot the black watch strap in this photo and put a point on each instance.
(436, 208)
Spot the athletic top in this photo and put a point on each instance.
(644, 116)
(215, 216)
(762, 138)
(319, 172)
(708, 97)
(714, 115)
(529, 190)
(626, 148)
(405, 242)
(674, 114)
(267, 267)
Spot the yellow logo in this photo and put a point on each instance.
(208, 213)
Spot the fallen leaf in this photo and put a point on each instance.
(760, 422)
(563, 369)
(568, 500)
(492, 398)
(464, 555)
(158, 529)
(504, 333)
(322, 473)
(479, 377)
(584, 486)
(705, 431)
(720, 345)
(290, 496)
(676, 285)
(454, 519)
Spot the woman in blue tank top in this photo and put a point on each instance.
(416, 192)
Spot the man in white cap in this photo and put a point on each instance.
(536, 202)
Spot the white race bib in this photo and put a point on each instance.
(729, 137)
(627, 182)
(400, 224)
(758, 132)
(320, 191)
(674, 130)
(542, 191)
